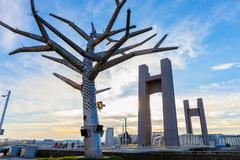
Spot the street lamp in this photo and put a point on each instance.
(4, 111)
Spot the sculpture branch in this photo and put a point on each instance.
(119, 30)
(23, 33)
(94, 32)
(68, 81)
(63, 62)
(111, 51)
(128, 22)
(115, 61)
(109, 34)
(110, 23)
(40, 26)
(67, 40)
(114, 16)
(161, 41)
(67, 56)
(102, 90)
(42, 48)
(114, 48)
(111, 40)
(117, 2)
(124, 49)
(53, 45)
(123, 58)
(153, 50)
(74, 26)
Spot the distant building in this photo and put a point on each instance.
(232, 140)
(134, 139)
(191, 140)
(158, 139)
(125, 138)
(109, 139)
(215, 140)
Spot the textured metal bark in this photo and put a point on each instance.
(90, 116)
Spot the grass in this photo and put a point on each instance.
(77, 158)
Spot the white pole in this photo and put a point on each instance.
(4, 112)
(125, 137)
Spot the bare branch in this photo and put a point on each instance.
(112, 50)
(117, 2)
(74, 26)
(67, 40)
(115, 61)
(64, 62)
(23, 33)
(68, 81)
(94, 32)
(133, 54)
(128, 21)
(102, 90)
(67, 56)
(54, 46)
(136, 33)
(119, 30)
(161, 40)
(114, 16)
(111, 40)
(40, 26)
(42, 48)
(127, 27)
(122, 50)
(100, 67)
(153, 50)
(109, 34)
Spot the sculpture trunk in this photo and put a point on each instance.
(90, 118)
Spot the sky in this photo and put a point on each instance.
(206, 65)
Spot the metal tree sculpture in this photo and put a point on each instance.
(104, 60)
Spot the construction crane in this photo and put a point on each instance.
(4, 111)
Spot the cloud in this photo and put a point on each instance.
(224, 66)
(224, 86)
(12, 13)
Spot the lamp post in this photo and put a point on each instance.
(4, 111)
